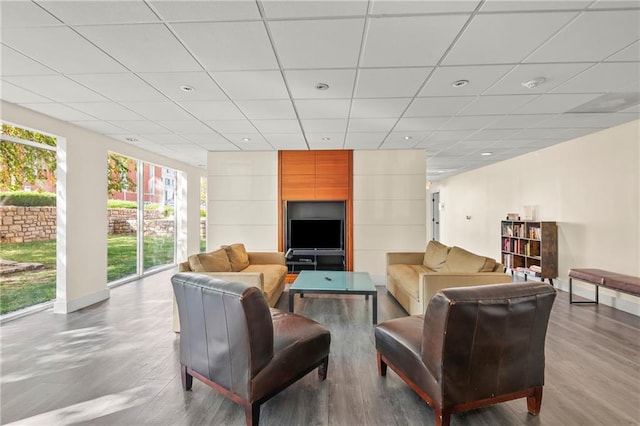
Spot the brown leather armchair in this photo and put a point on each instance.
(474, 347)
(232, 341)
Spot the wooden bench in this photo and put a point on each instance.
(600, 278)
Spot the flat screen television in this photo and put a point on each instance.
(315, 233)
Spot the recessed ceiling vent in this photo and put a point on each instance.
(611, 102)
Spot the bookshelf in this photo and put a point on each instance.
(530, 247)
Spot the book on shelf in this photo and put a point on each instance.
(535, 268)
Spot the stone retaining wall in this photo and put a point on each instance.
(23, 224)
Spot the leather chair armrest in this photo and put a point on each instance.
(407, 258)
(266, 258)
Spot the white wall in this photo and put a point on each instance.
(590, 186)
(82, 216)
(242, 200)
(389, 207)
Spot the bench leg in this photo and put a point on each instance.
(571, 301)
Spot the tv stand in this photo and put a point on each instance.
(315, 260)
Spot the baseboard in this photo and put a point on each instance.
(68, 306)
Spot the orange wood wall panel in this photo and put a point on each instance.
(298, 162)
(297, 187)
(332, 175)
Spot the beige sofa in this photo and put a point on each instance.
(413, 278)
(265, 270)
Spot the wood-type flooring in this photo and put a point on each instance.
(116, 363)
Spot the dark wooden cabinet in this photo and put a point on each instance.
(530, 248)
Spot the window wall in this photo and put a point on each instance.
(141, 215)
(28, 212)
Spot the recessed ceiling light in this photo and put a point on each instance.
(460, 83)
(131, 139)
(187, 88)
(322, 86)
(246, 139)
(486, 153)
(533, 83)
(406, 138)
(326, 139)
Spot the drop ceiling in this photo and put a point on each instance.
(118, 68)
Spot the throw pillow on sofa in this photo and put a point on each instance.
(215, 261)
(435, 255)
(237, 256)
(460, 260)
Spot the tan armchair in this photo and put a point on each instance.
(233, 342)
(474, 347)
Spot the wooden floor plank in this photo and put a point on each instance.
(116, 363)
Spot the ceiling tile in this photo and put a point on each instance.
(277, 126)
(99, 126)
(229, 46)
(317, 141)
(59, 111)
(615, 4)
(252, 84)
(578, 42)
(205, 10)
(553, 134)
(603, 78)
(449, 135)
(409, 139)
(468, 123)
(267, 110)
(322, 108)
(120, 86)
(386, 34)
(59, 48)
(480, 78)
(631, 53)
(245, 139)
(140, 126)
(170, 84)
(21, 14)
(492, 134)
(330, 125)
(255, 145)
(14, 63)
(97, 12)
(378, 108)
(56, 87)
(275, 9)
(390, 82)
(420, 124)
(371, 124)
(364, 140)
(555, 103)
(330, 43)
(186, 126)
(144, 47)
(589, 120)
(213, 141)
(499, 104)
(213, 110)
(158, 110)
(302, 83)
(520, 121)
(231, 126)
(386, 7)
(286, 140)
(18, 95)
(531, 5)
(437, 106)
(553, 74)
(526, 32)
(105, 110)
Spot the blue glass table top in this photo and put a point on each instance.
(333, 282)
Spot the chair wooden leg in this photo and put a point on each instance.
(252, 413)
(443, 417)
(186, 378)
(322, 369)
(535, 401)
(382, 366)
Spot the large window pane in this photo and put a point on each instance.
(122, 215)
(28, 219)
(159, 217)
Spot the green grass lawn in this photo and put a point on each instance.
(28, 288)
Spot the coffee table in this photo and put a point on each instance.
(334, 282)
